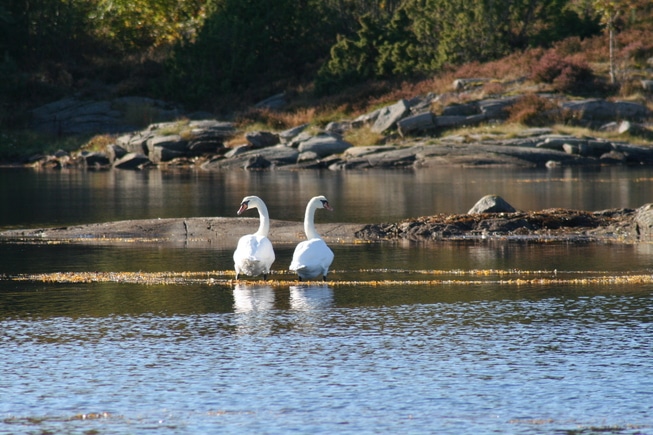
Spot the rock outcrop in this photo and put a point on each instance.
(571, 226)
(77, 116)
(412, 138)
(606, 226)
(491, 204)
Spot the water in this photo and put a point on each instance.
(254, 359)
(54, 198)
(449, 344)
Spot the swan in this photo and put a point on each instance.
(254, 254)
(312, 257)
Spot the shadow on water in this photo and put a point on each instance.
(34, 300)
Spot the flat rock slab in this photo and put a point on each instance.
(198, 232)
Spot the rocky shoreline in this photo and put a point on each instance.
(553, 225)
(412, 135)
(412, 138)
(608, 226)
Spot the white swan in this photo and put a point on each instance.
(254, 254)
(312, 257)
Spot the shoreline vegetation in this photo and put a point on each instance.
(155, 78)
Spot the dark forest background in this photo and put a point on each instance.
(224, 55)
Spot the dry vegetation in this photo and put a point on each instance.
(572, 68)
(507, 278)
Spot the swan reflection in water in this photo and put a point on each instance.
(255, 311)
(307, 306)
(248, 298)
(252, 304)
(311, 298)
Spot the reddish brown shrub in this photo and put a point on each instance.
(638, 52)
(493, 88)
(533, 110)
(568, 74)
(548, 68)
(596, 49)
(569, 46)
(510, 67)
(632, 36)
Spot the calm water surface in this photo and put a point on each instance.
(50, 198)
(469, 354)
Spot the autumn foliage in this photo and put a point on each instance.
(569, 74)
(209, 54)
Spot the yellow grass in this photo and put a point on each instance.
(363, 136)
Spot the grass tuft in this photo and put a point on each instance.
(363, 136)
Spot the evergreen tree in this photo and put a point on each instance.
(380, 50)
(245, 43)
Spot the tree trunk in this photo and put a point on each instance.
(613, 74)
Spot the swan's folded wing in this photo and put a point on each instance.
(312, 255)
(264, 250)
(246, 247)
(254, 254)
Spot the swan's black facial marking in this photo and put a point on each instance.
(243, 207)
(325, 204)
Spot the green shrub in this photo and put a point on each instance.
(380, 50)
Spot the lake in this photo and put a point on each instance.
(53, 198)
(478, 337)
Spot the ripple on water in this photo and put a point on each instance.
(487, 366)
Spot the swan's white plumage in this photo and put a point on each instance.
(312, 257)
(254, 253)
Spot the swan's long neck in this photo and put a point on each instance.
(264, 225)
(309, 225)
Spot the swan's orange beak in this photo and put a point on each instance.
(242, 208)
(326, 205)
